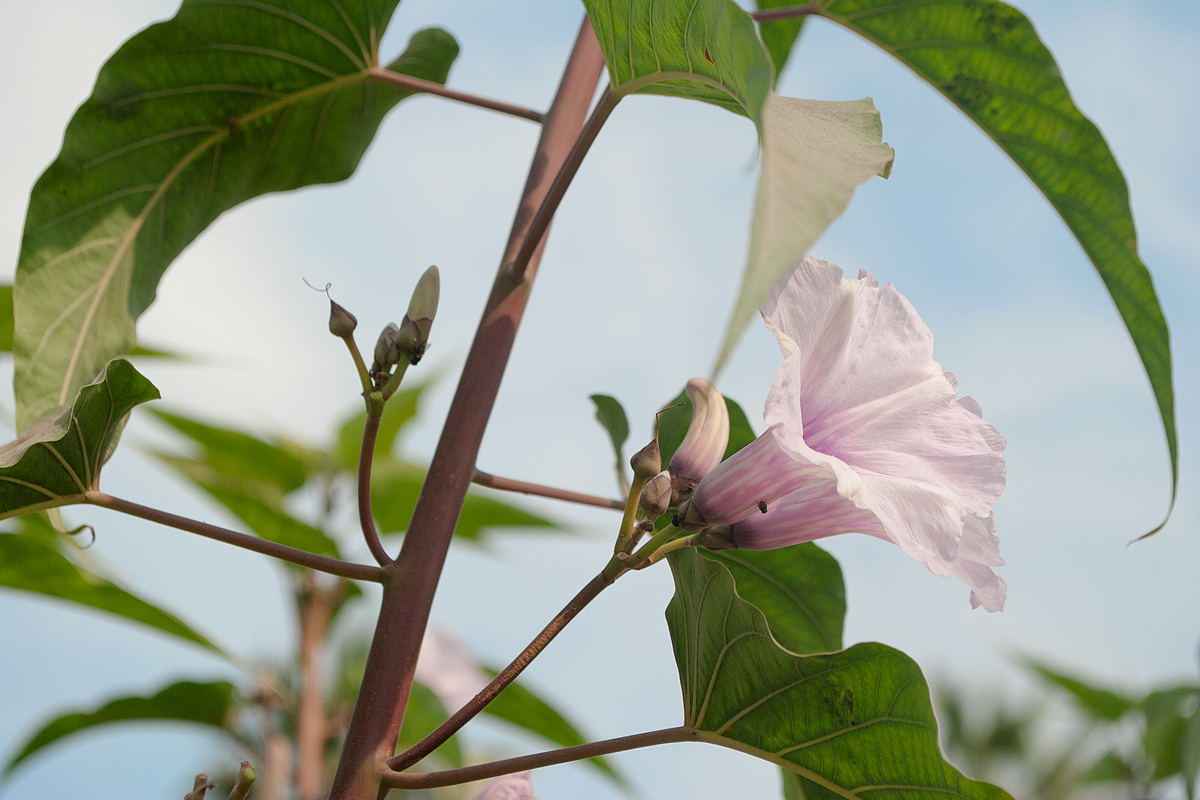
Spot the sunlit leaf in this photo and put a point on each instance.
(986, 57)
(521, 707)
(814, 154)
(397, 413)
(205, 704)
(1100, 703)
(224, 102)
(611, 417)
(856, 723)
(673, 424)
(55, 461)
(703, 49)
(36, 560)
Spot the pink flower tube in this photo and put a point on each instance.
(866, 435)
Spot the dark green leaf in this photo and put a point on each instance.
(6, 319)
(851, 722)
(798, 589)
(1109, 767)
(521, 707)
(986, 57)
(55, 461)
(206, 704)
(611, 417)
(400, 409)
(394, 489)
(35, 560)
(673, 425)
(190, 117)
(703, 49)
(797, 787)
(1100, 703)
(261, 512)
(240, 456)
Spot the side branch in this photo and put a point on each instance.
(506, 676)
(509, 485)
(787, 12)
(365, 516)
(430, 87)
(332, 566)
(453, 777)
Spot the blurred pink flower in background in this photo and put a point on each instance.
(508, 787)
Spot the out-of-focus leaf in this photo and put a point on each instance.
(1190, 753)
(260, 512)
(1109, 767)
(240, 456)
(395, 486)
(1100, 703)
(207, 704)
(421, 718)
(986, 57)
(34, 561)
(55, 461)
(779, 35)
(673, 425)
(814, 154)
(611, 417)
(521, 707)
(189, 118)
(852, 722)
(1167, 717)
(799, 589)
(6, 319)
(398, 411)
(702, 49)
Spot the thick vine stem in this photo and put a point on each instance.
(429, 87)
(506, 676)
(453, 777)
(411, 581)
(365, 457)
(524, 487)
(332, 566)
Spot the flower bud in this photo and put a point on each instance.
(656, 496)
(414, 330)
(705, 442)
(341, 322)
(387, 354)
(647, 462)
(717, 538)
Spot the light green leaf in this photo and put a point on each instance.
(6, 319)
(397, 413)
(1109, 767)
(814, 154)
(986, 57)
(702, 49)
(856, 723)
(206, 704)
(190, 117)
(42, 561)
(55, 461)
(521, 707)
(1100, 703)
(611, 417)
(1189, 758)
(779, 35)
(674, 420)
(1167, 719)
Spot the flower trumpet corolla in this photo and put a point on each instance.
(516, 786)
(704, 444)
(866, 434)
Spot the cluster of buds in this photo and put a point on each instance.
(407, 341)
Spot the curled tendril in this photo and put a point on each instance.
(81, 529)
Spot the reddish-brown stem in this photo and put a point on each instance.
(432, 780)
(506, 676)
(787, 12)
(411, 581)
(312, 726)
(245, 779)
(549, 204)
(333, 566)
(429, 87)
(524, 487)
(365, 457)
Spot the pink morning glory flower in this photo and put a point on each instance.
(866, 435)
(516, 786)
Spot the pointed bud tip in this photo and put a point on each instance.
(656, 496)
(341, 322)
(424, 302)
(647, 462)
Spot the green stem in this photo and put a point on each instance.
(629, 519)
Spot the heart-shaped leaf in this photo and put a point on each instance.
(852, 723)
(56, 460)
(190, 117)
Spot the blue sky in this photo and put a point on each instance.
(657, 218)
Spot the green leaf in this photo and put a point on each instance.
(6, 319)
(240, 456)
(702, 49)
(673, 425)
(397, 413)
(799, 589)
(1109, 767)
(986, 57)
(521, 707)
(395, 486)
(189, 118)
(55, 461)
(261, 512)
(206, 704)
(36, 560)
(779, 35)
(814, 154)
(1167, 720)
(797, 787)
(1190, 753)
(852, 722)
(1100, 703)
(422, 717)
(611, 417)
